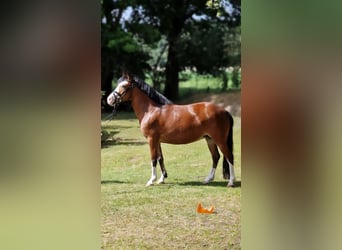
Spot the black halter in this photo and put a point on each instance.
(118, 96)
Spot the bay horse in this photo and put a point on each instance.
(161, 121)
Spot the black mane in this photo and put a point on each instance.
(148, 90)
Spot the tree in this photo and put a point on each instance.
(120, 50)
(178, 22)
(171, 17)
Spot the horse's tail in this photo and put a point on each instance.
(226, 173)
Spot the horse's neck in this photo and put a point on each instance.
(141, 104)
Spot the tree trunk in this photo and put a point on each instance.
(172, 64)
(171, 73)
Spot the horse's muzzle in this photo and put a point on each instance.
(113, 99)
(110, 100)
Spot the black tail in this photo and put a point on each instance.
(226, 173)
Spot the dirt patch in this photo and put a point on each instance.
(229, 100)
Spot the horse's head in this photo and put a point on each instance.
(122, 92)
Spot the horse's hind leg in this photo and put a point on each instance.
(162, 167)
(229, 158)
(215, 157)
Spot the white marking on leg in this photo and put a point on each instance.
(232, 175)
(210, 177)
(162, 167)
(161, 179)
(153, 176)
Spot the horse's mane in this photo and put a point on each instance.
(148, 90)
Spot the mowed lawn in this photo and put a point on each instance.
(164, 216)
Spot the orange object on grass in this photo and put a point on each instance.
(203, 210)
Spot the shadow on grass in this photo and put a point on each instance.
(114, 182)
(114, 127)
(188, 183)
(120, 115)
(119, 141)
(212, 184)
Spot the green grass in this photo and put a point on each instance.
(163, 216)
(191, 82)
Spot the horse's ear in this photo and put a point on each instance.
(124, 74)
(127, 75)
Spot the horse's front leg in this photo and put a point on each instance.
(154, 160)
(162, 167)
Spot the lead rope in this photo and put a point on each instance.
(111, 115)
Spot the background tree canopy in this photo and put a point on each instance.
(159, 39)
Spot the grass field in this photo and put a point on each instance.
(193, 83)
(164, 216)
(196, 83)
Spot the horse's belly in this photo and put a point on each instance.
(181, 138)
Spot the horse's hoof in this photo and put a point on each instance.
(207, 181)
(148, 184)
(231, 185)
(160, 182)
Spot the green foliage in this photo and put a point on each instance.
(198, 37)
(120, 48)
(222, 7)
(198, 47)
(236, 77)
(213, 4)
(209, 47)
(145, 32)
(130, 48)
